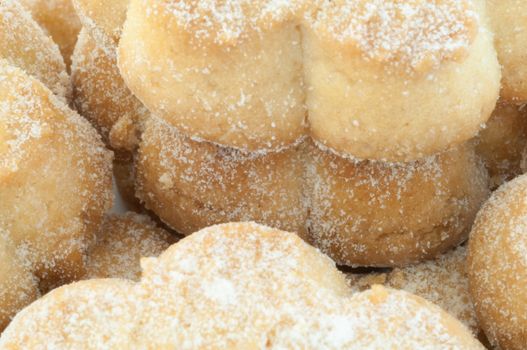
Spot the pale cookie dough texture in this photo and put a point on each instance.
(121, 243)
(508, 19)
(59, 20)
(443, 281)
(25, 45)
(55, 185)
(384, 80)
(234, 286)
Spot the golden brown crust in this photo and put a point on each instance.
(191, 184)
(100, 95)
(235, 286)
(121, 243)
(360, 213)
(18, 286)
(497, 266)
(378, 214)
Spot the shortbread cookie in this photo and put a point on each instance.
(235, 286)
(497, 266)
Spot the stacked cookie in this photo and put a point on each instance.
(361, 125)
(246, 119)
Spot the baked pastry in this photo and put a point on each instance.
(272, 174)
(503, 143)
(103, 18)
(238, 74)
(398, 80)
(443, 281)
(121, 243)
(18, 286)
(59, 20)
(497, 266)
(100, 95)
(192, 184)
(372, 213)
(24, 44)
(54, 166)
(508, 21)
(242, 77)
(236, 286)
(225, 145)
(359, 213)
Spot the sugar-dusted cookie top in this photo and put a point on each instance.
(415, 34)
(235, 286)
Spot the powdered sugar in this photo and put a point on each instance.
(289, 296)
(442, 281)
(54, 166)
(121, 243)
(413, 33)
(225, 22)
(497, 264)
(24, 44)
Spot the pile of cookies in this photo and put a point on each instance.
(375, 130)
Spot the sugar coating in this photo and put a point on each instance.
(59, 20)
(121, 243)
(54, 166)
(232, 90)
(235, 286)
(104, 19)
(99, 92)
(443, 281)
(372, 213)
(263, 74)
(359, 212)
(192, 184)
(100, 95)
(410, 31)
(437, 102)
(415, 34)
(508, 22)
(18, 286)
(226, 22)
(497, 265)
(24, 44)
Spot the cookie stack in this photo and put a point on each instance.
(373, 129)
